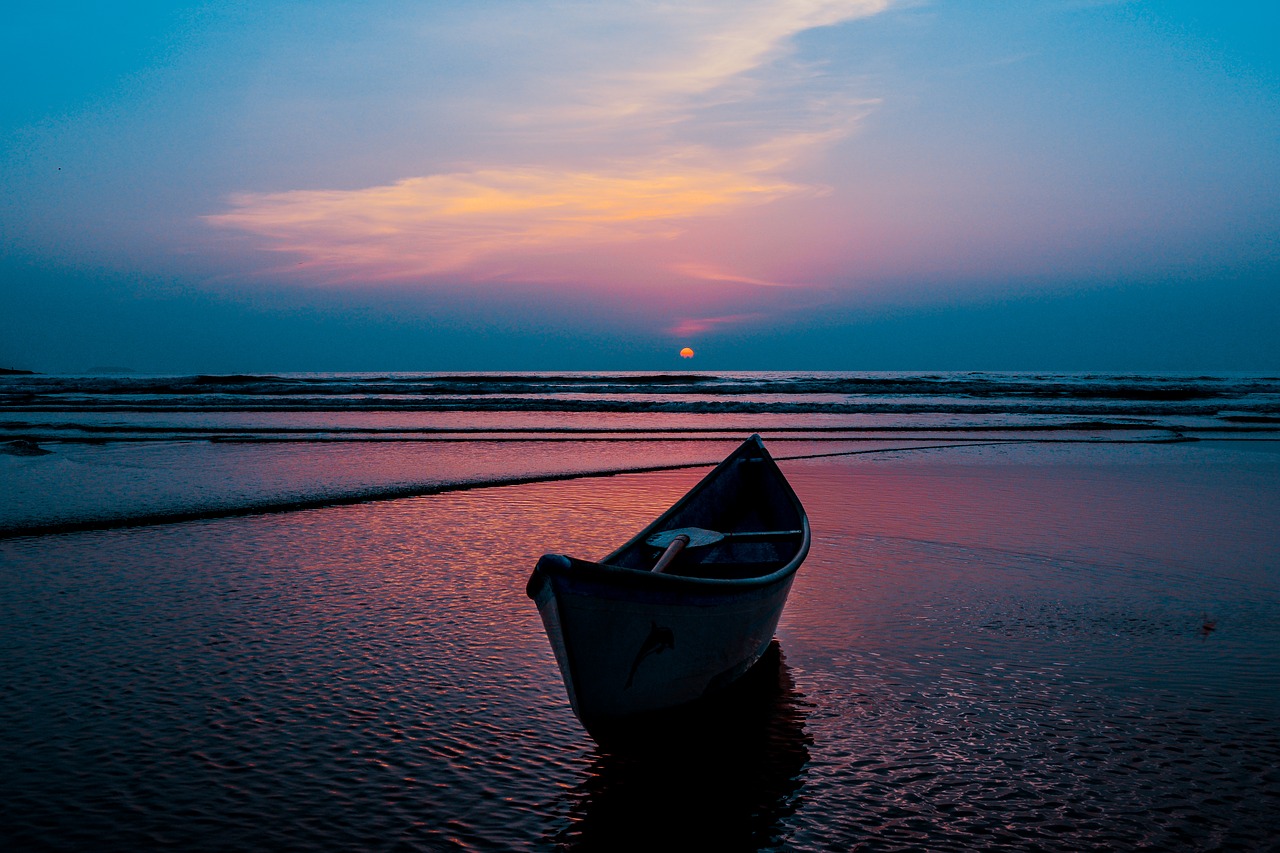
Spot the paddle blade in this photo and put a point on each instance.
(698, 536)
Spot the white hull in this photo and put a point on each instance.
(620, 655)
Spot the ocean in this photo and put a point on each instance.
(1041, 612)
(164, 448)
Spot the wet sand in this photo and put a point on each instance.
(1035, 647)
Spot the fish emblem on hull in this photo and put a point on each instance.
(659, 640)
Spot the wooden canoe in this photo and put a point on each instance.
(633, 643)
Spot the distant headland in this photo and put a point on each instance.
(9, 371)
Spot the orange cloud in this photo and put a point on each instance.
(444, 223)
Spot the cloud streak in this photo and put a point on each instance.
(702, 46)
(692, 326)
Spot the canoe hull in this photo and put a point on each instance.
(625, 651)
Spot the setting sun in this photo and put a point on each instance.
(687, 352)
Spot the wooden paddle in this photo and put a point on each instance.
(675, 547)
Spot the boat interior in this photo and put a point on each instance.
(748, 503)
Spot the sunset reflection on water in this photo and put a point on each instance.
(982, 649)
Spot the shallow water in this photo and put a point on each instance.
(1074, 654)
(1070, 648)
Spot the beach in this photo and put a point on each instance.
(1056, 646)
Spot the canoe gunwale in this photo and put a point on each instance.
(624, 577)
(753, 446)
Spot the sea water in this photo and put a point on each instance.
(89, 451)
(1017, 629)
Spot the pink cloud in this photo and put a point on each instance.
(690, 326)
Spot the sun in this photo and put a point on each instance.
(687, 352)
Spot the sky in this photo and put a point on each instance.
(509, 185)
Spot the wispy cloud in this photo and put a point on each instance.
(658, 134)
(694, 48)
(708, 272)
(691, 326)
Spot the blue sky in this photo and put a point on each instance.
(819, 184)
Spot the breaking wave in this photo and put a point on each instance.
(837, 393)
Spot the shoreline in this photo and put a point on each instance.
(365, 493)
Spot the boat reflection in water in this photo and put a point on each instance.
(722, 774)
